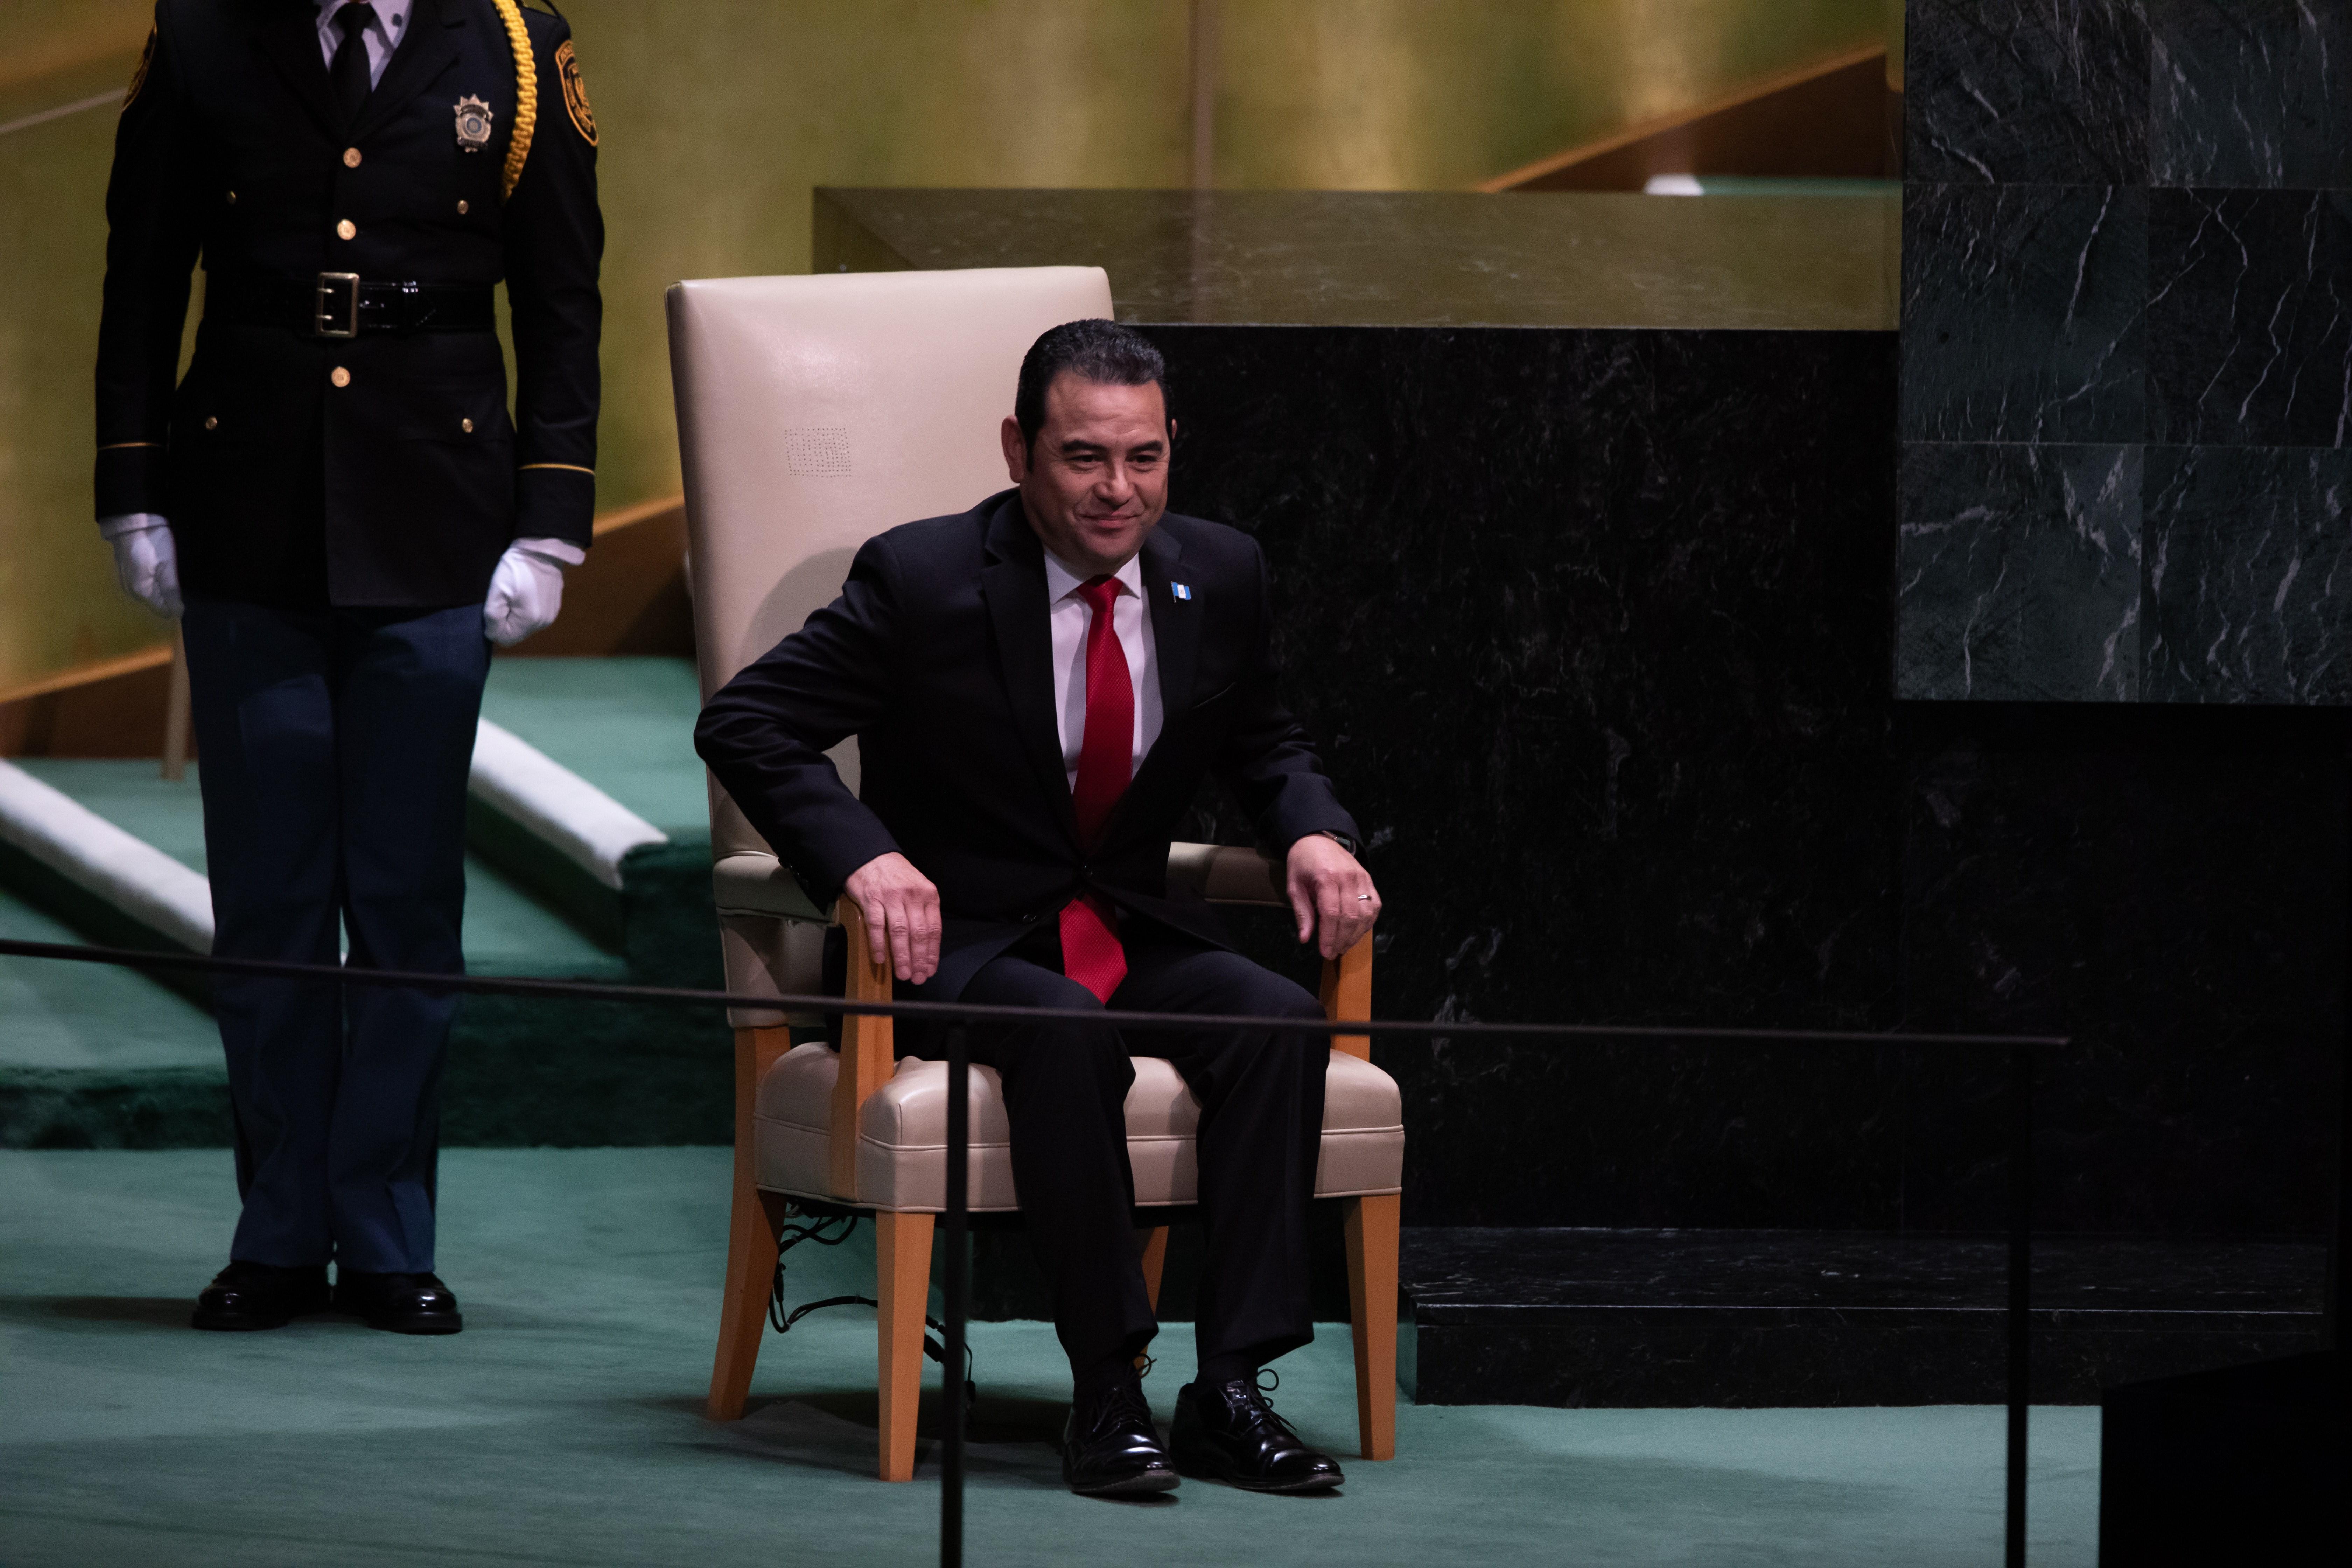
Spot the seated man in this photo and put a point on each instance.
(1038, 687)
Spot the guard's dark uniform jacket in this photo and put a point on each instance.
(299, 466)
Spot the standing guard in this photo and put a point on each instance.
(339, 495)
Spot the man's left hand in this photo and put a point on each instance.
(1332, 895)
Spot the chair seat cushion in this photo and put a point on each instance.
(903, 1131)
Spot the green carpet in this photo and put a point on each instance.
(86, 1015)
(92, 1056)
(564, 1425)
(507, 931)
(72, 1074)
(627, 725)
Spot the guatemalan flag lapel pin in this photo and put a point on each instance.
(1180, 591)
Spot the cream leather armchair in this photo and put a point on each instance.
(813, 413)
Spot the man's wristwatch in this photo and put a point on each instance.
(1341, 839)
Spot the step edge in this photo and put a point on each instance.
(549, 801)
(129, 873)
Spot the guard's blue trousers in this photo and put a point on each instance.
(334, 747)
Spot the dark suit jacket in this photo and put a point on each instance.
(280, 486)
(938, 658)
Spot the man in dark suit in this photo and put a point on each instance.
(1038, 687)
(339, 495)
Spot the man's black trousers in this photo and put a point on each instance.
(333, 746)
(1261, 1094)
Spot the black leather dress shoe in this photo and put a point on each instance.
(400, 1303)
(260, 1296)
(1110, 1449)
(1228, 1432)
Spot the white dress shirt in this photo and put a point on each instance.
(378, 37)
(1130, 619)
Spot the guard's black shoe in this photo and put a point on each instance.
(1110, 1449)
(400, 1303)
(260, 1296)
(1228, 1432)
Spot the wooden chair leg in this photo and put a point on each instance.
(1152, 1253)
(1373, 1313)
(752, 1231)
(902, 1258)
(1154, 1257)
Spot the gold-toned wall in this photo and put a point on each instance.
(59, 603)
(1440, 94)
(718, 117)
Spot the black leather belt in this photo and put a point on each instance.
(345, 305)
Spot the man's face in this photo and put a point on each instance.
(1096, 481)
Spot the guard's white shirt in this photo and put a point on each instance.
(1130, 619)
(378, 37)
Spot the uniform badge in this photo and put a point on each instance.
(473, 123)
(575, 92)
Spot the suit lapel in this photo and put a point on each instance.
(427, 48)
(289, 40)
(1175, 623)
(1013, 585)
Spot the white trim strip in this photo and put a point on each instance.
(113, 95)
(591, 828)
(127, 872)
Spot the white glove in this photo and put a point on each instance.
(527, 589)
(146, 561)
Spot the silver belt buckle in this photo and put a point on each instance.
(329, 282)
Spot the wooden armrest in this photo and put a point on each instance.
(868, 1049)
(867, 1054)
(1230, 874)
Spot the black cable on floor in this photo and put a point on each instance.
(820, 1229)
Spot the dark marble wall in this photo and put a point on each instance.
(1594, 637)
(1594, 629)
(2126, 385)
(2169, 885)
(1606, 634)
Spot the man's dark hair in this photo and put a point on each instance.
(1096, 349)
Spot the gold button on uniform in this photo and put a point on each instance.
(462, 208)
(211, 421)
(339, 376)
(467, 425)
(232, 198)
(347, 229)
(350, 157)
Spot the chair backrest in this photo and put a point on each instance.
(815, 412)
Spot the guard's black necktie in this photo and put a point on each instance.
(349, 70)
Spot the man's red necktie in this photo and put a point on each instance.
(1091, 953)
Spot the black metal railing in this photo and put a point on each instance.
(958, 1016)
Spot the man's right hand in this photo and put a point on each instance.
(902, 916)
